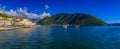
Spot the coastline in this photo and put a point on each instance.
(8, 28)
(12, 28)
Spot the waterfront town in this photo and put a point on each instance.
(7, 23)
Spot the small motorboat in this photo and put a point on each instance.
(26, 26)
(65, 26)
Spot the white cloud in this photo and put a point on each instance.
(22, 12)
(46, 7)
(45, 15)
(10, 13)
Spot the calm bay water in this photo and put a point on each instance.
(59, 37)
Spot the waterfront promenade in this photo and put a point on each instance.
(8, 28)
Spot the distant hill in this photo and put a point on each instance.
(4, 15)
(71, 19)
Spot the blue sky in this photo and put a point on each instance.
(107, 10)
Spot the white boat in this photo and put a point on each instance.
(65, 26)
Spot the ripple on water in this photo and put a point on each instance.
(58, 37)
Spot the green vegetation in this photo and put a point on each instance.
(47, 21)
(4, 15)
(71, 19)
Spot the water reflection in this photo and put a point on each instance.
(58, 37)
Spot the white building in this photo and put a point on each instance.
(25, 22)
(19, 21)
(5, 21)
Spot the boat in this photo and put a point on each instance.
(26, 26)
(65, 26)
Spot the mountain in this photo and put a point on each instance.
(72, 19)
(4, 15)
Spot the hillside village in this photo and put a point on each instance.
(11, 22)
(17, 21)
